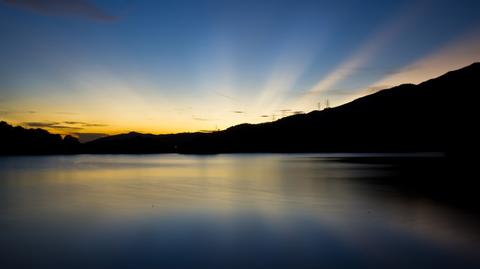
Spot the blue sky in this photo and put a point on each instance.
(167, 66)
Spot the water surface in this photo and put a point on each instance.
(225, 211)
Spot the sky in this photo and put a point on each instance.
(90, 68)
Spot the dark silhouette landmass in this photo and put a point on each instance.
(434, 116)
(18, 141)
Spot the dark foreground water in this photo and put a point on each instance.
(227, 211)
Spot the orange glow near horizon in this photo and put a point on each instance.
(120, 109)
(133, 74)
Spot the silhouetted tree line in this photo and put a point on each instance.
(18, 140)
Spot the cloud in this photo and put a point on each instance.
(52, 125)
(79, 8)
(224, 95)
(200, 119)
(238, 112)
(94, 125)
(65, 125)
(66, 113)
(73, 122)
(85, 124)
(405, 69)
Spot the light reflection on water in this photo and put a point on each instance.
(223, 211)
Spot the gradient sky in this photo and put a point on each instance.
(95, 67)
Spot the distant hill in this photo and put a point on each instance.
(437, 115)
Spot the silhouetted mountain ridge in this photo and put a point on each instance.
(404, 118)
(435, 115)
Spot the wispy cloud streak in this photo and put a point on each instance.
(52, 125)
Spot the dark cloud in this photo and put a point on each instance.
(264, 116)
(84, 124)
(86, 137)
(226, 96)
(73, 122)
(94, 125)
(403, 70)
(80, 8)
(200, 119)
(68, 125)
(285, 112)
(238, 112)
(65, 113)
(52, 125)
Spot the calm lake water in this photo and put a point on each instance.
(224, 211)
